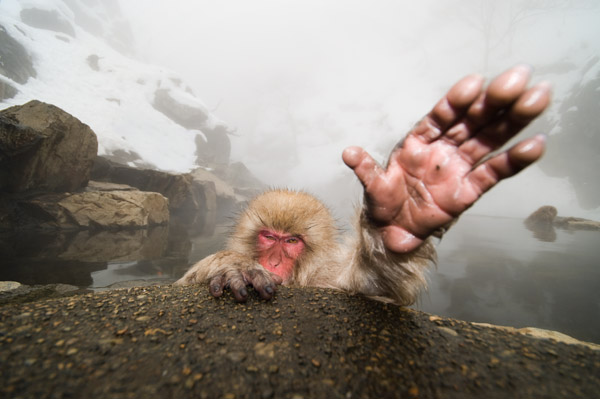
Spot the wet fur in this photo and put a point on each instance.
(361, 264)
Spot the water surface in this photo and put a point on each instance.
(490, 270)
(496, 271)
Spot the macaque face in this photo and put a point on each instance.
(278, 252)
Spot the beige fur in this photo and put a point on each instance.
(360, 265)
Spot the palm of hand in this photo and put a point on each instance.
(438, 172)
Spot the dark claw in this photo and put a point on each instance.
(240, 295)
(216, 286)
(269, 290)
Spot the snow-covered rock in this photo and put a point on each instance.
(75, 54)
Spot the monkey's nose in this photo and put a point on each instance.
(275, 259)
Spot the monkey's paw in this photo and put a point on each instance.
(228, 269)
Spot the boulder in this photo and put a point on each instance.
(48, 20)
(543, 222)
(16, 63)
(92, 210)
(190, 116)
(544, 216)
(573, 223)
(547, 217)
(306, 343)
(213, 145)
(194, 203)
(43, 148)
(241, 179)
(7, 91)
(104, 19)
(228, 202)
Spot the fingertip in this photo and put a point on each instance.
(463, 93)
(509, 85)
(529, 150)
(352, 156)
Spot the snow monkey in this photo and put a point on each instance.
(439, 170)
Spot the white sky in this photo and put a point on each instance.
(301, 80)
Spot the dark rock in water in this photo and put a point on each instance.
(16, 63)
(543, 216)
(191, 202)
(48, 20)
(541, 223)
(170, 342)
(572, 223)
(43, 148)
(87, 210)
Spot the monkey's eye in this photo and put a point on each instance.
(270, 238)
(292, 240)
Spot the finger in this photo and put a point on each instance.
(531, 104)
(237, 285)
(449, 109)
(216, 285)
(507, 164)
(364, 166)
(501, 92)
(507, 87)
(262, 282)
(527, 107)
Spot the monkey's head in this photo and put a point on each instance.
(283, 229)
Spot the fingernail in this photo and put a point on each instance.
(269, 289)
(243, 292)
(527, 147)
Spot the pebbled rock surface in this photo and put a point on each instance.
(308, 343)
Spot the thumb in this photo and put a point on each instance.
(363, 165)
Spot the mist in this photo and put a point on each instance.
(301, 80)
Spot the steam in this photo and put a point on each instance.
(301, 80)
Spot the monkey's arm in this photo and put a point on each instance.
(233, 270)
(438, 171)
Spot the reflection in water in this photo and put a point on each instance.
(494, 270)
(95, 258)
(490, 270)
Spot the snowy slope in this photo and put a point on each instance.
(116, 100)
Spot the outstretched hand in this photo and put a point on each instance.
(440, 168)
